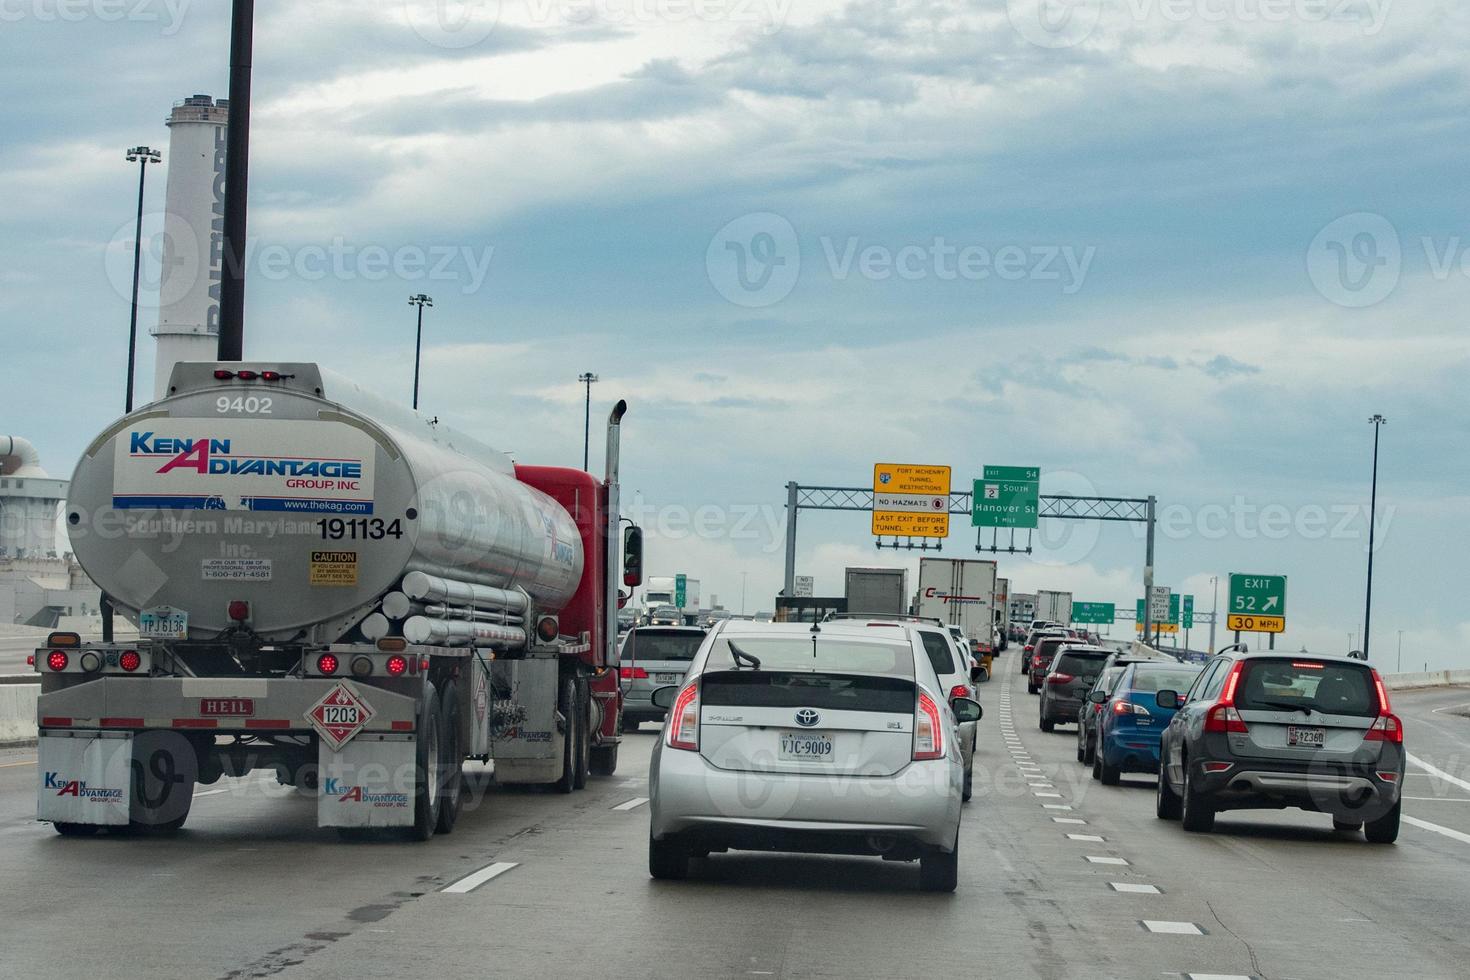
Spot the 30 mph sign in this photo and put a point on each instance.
(1255, 624)
(1257, 603)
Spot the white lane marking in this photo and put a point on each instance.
(1433, 771)
(1133, 888)
(472, 881)
(1426, 825)
(1216, 976)
(1173, 928)
(632, 804)
(1450, 707)
(1055, 806)
(1048, 796)
(211, 792)
(1071, 820)
(631, 782)
(1090, 838)
(12, 765)
(1438, 799)
(1097, 859)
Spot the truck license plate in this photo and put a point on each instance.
(806, 747)
(1305, 737)
(164, 623)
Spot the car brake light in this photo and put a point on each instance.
(1122, 706)
(1388, 777)
(633, 674)
(683, 724)
(327, 664)
(397, 664)
(1223, 718)
(57, 660)
(1228, 698)
(1387, 728)
(1029, 648)
(928, 734)
(1060, 678)
(1303, 665)
(1384, 708)
(130, 660)
(959, 691)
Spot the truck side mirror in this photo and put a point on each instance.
(633, 556)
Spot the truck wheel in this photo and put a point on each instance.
(76, 829)
(451, 793)
(566, 703)
(428, 764)
(668, 860)
(584, 734)
(604, 760)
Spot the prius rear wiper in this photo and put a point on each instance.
(740, 656)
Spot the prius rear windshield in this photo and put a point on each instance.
(784, 689)
(805, 653)
(1287, 685)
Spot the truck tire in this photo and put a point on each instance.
(451, 793)
(668, 860)
(76, 829)
(584, 734)
(604, 760)
(427, 765)
(566, 704)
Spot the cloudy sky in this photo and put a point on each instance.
(1179, 247)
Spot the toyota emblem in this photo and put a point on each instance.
(807, 717)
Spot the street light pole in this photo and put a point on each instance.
(1377, 421)
(1400, 666)
(742, 593)
(421, 301)
(1214, 613)
(143, 156)
(589, 379)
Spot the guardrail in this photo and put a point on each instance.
(1433, 678)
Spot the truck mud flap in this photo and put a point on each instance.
(84, 777)
(368, 782)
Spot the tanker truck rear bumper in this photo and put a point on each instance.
(101, 742)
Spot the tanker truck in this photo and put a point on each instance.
(328, 586)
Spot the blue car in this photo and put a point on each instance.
(1132, 721)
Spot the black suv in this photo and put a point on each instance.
(1064, 688)
(1268, 730)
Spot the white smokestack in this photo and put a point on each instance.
(188, 292)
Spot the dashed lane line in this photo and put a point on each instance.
(1101, 859)
(1134, 888)
(1172, 928)
(1436, 828)
(1090, 838)
(1434, 771)
(470, 882)
(632, 804)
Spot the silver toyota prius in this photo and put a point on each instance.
(834, 738)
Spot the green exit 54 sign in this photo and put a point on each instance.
(1006, 496)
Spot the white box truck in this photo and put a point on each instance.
(1054, 607)
(877, 590)
(961, 592)
(1002, 609)
(663, 590)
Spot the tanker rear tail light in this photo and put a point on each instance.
(249, 375)
(327, 664)
(392, 644)
(91, 661)
(397, 665)
(547, 629)
(246, 375)
(362, 667)
(57, 660)
(239, 610)
(130, 660)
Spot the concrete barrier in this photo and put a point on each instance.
(18, 713)
(1433, 678)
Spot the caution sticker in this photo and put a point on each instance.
(334, 568)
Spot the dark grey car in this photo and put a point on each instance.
(652, 657)
(1088, 715)
(1268, 731)
(1064, 688)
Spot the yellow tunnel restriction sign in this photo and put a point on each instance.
(910, 500)
(1249, 623)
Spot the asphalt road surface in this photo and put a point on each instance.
(1060, 877)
